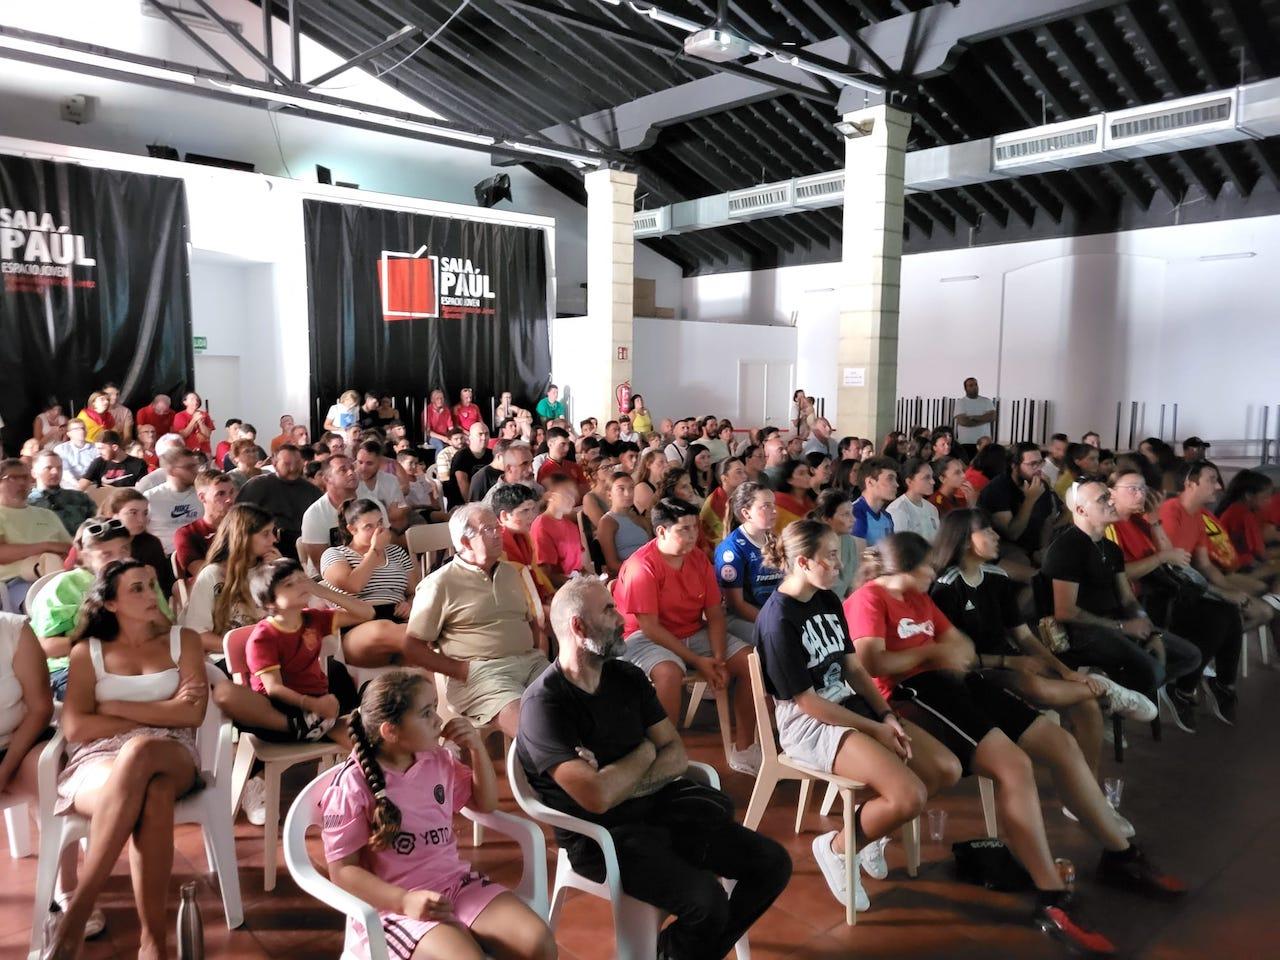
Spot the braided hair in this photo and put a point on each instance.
(386, 700)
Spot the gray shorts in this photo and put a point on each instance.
(810, 741)
(744, 630)
(646, 654)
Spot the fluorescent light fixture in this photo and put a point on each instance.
(96, 60)
(853, 129)
(1243, 255)
(971, 276)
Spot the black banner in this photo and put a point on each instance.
(93, 288)
(402, 303)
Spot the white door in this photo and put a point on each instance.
(764, 392)
(218, 383)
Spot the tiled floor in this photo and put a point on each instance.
(1205, 804)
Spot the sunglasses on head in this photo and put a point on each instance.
(97, 528)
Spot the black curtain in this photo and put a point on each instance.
(93, 288)
(402, 303)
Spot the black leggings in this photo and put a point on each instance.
(1214, 626)
(673, 861)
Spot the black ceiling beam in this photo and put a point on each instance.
(389, 43)
(254, 53)
(916, 219)
(825, 13)
(172, 16)
(824, 96)
(1006, 192)
(1249, 23)
(929, 206)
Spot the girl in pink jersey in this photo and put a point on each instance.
(388, 831)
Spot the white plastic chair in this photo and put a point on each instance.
(427, 538)
(1264, 649)
(209, 807)
(18, 825)
(305, 813)
(635, 923)
(446, 712)
(39, 585)
(276, 757)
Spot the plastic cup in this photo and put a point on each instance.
(937, 825)
(1113, 787)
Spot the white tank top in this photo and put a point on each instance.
(142, 688)
(12, 706)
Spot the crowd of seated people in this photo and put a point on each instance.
(918, 603)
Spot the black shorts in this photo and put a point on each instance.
(855, 704)
(961, 709)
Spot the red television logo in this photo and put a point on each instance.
(410, 285)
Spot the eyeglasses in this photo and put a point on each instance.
(488, 530)
(1137, 487)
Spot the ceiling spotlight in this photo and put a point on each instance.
(853, 129)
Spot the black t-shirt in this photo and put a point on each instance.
(985, 613)
(802, 646)
(557, 717)
(613, 448)
(1076, 557)
(109, 473)
(464, 462)
(1003, 495)
(481, 482)
(285, 501)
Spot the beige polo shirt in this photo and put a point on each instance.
(471, 614)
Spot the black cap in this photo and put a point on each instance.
(1195, 442)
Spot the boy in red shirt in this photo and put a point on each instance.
(291, 699)
(516, 506)
(673, 622)
(557, 539)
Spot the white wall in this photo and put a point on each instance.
(1084, 322)
(127, 117)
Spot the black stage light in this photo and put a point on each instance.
(489, 192)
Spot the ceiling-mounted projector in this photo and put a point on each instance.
(716, 45)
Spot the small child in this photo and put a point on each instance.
(423, 495)
(557, 540)
(291, 699)
(388, 831)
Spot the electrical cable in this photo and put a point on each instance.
(378, 75)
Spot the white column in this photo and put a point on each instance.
(606, 353)
(867, 350)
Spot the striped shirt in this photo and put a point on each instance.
(388, 583)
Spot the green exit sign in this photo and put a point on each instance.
(200, 344)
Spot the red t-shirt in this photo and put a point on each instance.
(220, 452)
(1185, 530)
(465, 416)
(195, 440)
(191, 543)
(295, 655)
(913, 621)
(557, 543)
(1133, 537)
(680, 598)
(946, 504)
(163, 422)
(1270, 514)
(1245, 530)
(437, 421)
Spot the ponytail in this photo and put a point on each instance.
(801, 538)
(387, 699)
(896, 553)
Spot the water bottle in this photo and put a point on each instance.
(190, 926)
(1067, 871)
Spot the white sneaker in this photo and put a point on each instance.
(871, 858)
(746, 761)
(832, 865)
(253, 801)
(1127, 703)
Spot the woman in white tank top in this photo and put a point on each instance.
(136, 692)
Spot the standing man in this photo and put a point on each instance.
(159, 414)
(974, 416)
(77, 454)
(286, 434)
(285, 495)
(33, 541)
(174, 503)
(549, 407)
(216, 492)
(71, 506)
(820, 439)
(121, 414)
(595, 743)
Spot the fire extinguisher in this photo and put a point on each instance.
(623, 394)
